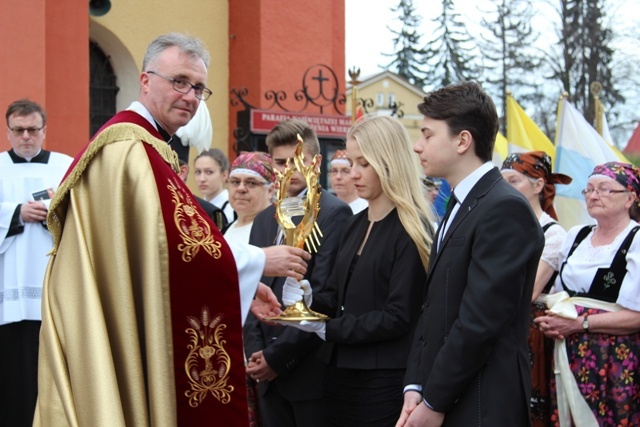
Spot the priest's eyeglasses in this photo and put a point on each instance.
(606, 192)
(31, 131)
(184, 86)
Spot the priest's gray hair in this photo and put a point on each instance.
(186, 43)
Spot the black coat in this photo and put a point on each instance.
(288, 351)
(470, 350)
(378, 308)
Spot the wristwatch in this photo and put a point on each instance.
(585, 323)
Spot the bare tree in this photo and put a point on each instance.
(510, 58)
(407, 58)
(449, 56)
(586, 54)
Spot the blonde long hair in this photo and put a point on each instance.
(386, 145)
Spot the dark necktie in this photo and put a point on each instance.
(450, 205)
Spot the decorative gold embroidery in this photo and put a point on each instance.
(193, 228)
(206, 346)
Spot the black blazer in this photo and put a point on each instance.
(378, 308)
(216, 214)
(289, 351)
(470, 351)
(208, 207)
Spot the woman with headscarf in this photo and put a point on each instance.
(251, 186)
(594, 316)
(530, 173)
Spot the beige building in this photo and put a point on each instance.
(387, 93)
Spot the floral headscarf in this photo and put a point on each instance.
(537, 164)
(624, 173)
(256, 163)
(340, 157)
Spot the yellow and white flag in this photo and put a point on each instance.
(500, 150)
(523, 134)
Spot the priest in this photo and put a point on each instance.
(29, 175)
(141, 308)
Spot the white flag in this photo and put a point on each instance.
(579, 148)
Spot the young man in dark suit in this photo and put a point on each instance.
(283, 359)
(469, 365)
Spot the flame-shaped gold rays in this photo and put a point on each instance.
(307, 232)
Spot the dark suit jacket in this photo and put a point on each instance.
(209, 208)
(289, 351)
(378, 307)
(215, 213)
(470, 350)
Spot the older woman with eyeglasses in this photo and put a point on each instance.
(251, 187)
(594, 316)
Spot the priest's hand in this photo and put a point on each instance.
(293, 291)
(33, 212)
(285, 261)
(259, 369)
(265, 303)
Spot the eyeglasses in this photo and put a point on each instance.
(31, 131)
(184, 86)
(606, 192)
(346, 171)
(248, 183)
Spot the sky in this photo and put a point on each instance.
(367, 35)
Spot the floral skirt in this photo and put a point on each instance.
(608, 376)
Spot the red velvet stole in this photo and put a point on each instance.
(205, 302)
(205, 309)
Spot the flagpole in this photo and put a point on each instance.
(596, 90)
(506, 117)
(354, 73)
(563, 97)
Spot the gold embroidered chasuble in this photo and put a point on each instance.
(141, 312)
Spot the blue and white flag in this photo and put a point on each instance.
(579, 148)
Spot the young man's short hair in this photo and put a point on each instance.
(286, 133)
(465, 106)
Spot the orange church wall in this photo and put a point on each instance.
(45, 57)
(273, 42)
(67, 85)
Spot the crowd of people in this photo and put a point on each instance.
(126, 300)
